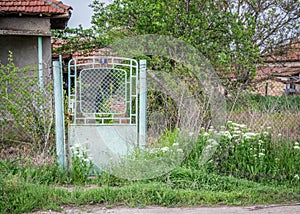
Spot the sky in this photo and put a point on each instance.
(81, 13)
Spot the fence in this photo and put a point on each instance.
(265, 106)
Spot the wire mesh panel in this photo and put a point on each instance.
(103, 91)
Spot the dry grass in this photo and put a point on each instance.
(286, 124)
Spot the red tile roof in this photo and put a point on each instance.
(288, 53)
(50, 7)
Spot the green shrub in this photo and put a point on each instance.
(255, 156)
(26, 111)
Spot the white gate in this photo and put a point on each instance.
(106, 110)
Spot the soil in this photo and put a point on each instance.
(272, 209)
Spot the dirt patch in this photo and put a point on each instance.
(274, 209)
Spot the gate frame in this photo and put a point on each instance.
(141, 99)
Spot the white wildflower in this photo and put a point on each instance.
(87, 160)
(243, 126)
(237, 132)
(279, 135)
(235, 124)
(165, 149)
(269, 128)
(249, 135)
(175, 144)
(180, 150)
(86, 150)
(297, 177)
(296, 144)
(235, 135)
(205, 134)
(261, 154)
(152, 150)
(236, 129)
(226, 134)
(296, 147)
(79, 155)
(75, 152)
(265, 133)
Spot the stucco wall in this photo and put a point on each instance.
(32, 26)
(25, 51)
(20, 35)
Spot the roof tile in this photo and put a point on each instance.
(34, 6)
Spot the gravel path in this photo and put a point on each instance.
(273, 209)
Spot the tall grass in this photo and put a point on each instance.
(252, 155)
(258, 112)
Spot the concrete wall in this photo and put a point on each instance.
(20, 35)
(31, 26)
(25, 52)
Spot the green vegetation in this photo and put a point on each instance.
(246, 168)
(268, 104)
(26, 112)
(231, 166)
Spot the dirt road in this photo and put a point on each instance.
(272, 209)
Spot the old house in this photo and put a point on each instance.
(25, 30)
(280, 74)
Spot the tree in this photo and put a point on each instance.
(230, 33)
(276, 21)
(220, 35)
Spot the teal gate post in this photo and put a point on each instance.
(143, 102)
(59, 113)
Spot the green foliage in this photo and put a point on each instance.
(221, 35)
(81, 165)
(25, 188)
(25, 108)
(255, 156)
(182, 187)
(257, 102)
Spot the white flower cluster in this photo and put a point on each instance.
(296, 146)
(81, 152)
(173, 148)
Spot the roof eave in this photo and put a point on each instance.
(60, 21)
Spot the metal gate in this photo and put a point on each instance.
(106, 108)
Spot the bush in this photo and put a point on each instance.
(26, 112)
(245, 154)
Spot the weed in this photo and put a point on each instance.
(81, 165)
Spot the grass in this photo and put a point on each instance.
(258, 112)
(234, 175)
(181, 187)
